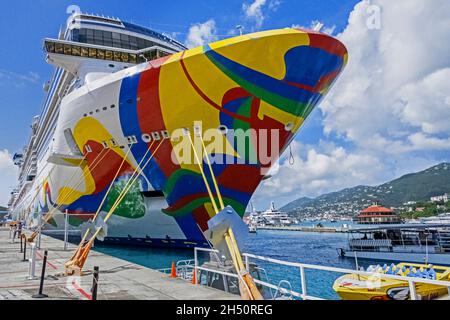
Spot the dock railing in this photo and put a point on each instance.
(302, 267)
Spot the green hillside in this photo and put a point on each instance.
(419, 186)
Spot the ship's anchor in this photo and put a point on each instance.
(220, 227)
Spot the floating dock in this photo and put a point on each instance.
(118, 279)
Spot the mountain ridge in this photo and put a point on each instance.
(417, 186)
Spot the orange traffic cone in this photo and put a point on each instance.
(194, 278)
(173, 272)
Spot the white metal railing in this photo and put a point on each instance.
(302, 267)
(370, 243)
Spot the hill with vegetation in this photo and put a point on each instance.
(418, 187)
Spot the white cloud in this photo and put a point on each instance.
(255, 10)
(319, 169)
(201, 34)
(17, 79)
(391, 106)
(8, 176)
(395, 92)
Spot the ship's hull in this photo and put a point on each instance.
(268, 82)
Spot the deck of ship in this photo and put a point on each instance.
(118, 279)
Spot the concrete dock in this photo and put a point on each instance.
(118, 279)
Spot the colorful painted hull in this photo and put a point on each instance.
(264, 81)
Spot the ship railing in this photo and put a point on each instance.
(362, 243)
(184, 269)
(302, 267)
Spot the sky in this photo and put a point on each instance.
(387, 115)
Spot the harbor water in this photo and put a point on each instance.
(292, 246)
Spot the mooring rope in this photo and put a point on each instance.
(52, 212)
(205, 180)
(112, 183)
(83, 250)
(216, 186)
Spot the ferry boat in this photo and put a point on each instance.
(419, 243)
(123, 95)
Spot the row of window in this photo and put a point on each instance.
(98, 110)
(146, 137)
(111, 39)
(102, 54)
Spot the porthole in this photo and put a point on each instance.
(111, 65)
(156, 136)
(88, 148)
(91, 113)
(85, 115)
(97, 110)
(131, 139)
(165, 134)
(105, 144)
(289, 126)
(223, 129)
(105, 108)
(146, 138)
(113, 106)
(114, 143)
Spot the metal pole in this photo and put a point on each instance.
(303, 278)
(40, 231)
(66, 222)
(412, 290)
(21, 245)
(195, 265)
(24, 250)
(32, 260)
(95, 284)
(356, 260)
(41, 295)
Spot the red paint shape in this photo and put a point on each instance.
(249, 178)
(327, 43)
(201, 216)
(185, 201)
(106, 165)
(234, 94)
(48, 262)
(151, 118)
(80, 290)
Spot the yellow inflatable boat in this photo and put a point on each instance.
(373, 287)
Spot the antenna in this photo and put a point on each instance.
(240, 28)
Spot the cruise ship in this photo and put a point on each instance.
(122, 101)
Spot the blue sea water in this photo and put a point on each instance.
(292, 246)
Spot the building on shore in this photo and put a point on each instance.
(376, 214)
(443, 198)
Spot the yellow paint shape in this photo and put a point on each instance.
(87, 129)
(279, 115)
(264, 51)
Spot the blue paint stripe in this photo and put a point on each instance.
(261, 80)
